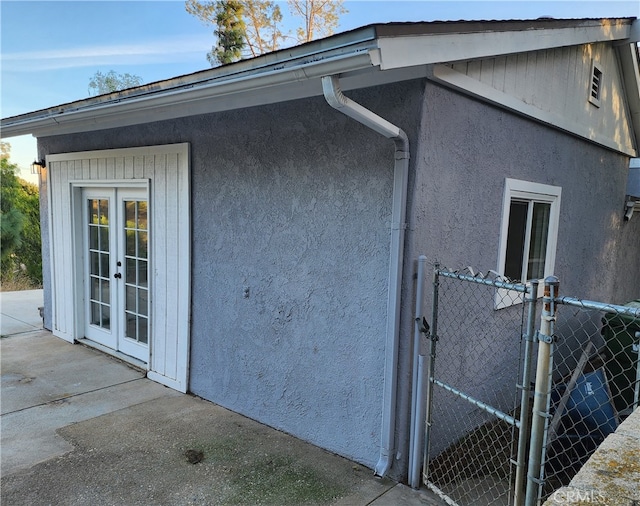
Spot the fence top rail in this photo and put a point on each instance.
(599, 306)
(482, 280)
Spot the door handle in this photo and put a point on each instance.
(117, 275)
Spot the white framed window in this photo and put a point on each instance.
(528, 235)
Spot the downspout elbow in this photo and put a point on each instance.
(336, 99)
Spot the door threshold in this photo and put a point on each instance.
(133, 362)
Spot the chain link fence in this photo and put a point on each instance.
(595, 382)
(512, 413)
(479, 358)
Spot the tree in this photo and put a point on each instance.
(320, 17)
(261, 24)
(12, 219)
(19, 224)
(230, 32)
(5, 149)
(101, 83)
(262, 32)
(258, 20)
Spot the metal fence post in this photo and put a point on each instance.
(535, 475)
(433, 337)
(525, 410)
(417, 411)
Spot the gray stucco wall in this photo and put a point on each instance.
(297, 211)
(466, 150)
(291, 202)
(46, 259)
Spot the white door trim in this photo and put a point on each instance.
(165, 169)
(113, 336)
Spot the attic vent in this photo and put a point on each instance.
(596, 84)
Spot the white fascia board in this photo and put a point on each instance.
(411, 50)
(217, 95)
(634, 33)
(628, 57)
(470, 86)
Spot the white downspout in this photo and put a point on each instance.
(336, 99)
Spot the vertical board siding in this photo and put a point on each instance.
(557, 81)
(166, 168)
(184, 296)
(159, 267)
(172, 259)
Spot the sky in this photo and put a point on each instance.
(49, 50)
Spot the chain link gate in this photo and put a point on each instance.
(491, 438)
(478, 377)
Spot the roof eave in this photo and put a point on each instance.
(442, 47)
(398, 49)
(257, 87)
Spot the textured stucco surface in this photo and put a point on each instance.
(466, 149)
(291, 204)
(46, 257)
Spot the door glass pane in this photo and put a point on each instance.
(142, 244)
(94, 264)
(94, 292)
(143, 297)
(516, 240)
(106, 285)
(130, 214)
(143, 329)
(104, 212)
(131, 326)
(95, 313)
(104, 238)
(131, 271)
(93, 211)
(136, 275)
(538, 244)
(93, 237)
(142, 273)
(104, 265)
(99, 258)
(106, 317)
(142, 215)
(131, 242)
(131, 299)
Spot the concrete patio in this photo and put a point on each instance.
(79, 427)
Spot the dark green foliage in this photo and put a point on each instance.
(230, 33)
(12, 218)
(20, 224)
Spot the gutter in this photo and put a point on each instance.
(124, 109)
(336, 99)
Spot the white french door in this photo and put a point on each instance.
(116, 271)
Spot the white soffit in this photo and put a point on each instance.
(409, 50)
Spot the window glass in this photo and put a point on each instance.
(539, 237)
(529, 233)
(516, 240)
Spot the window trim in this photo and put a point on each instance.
(515, 189)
